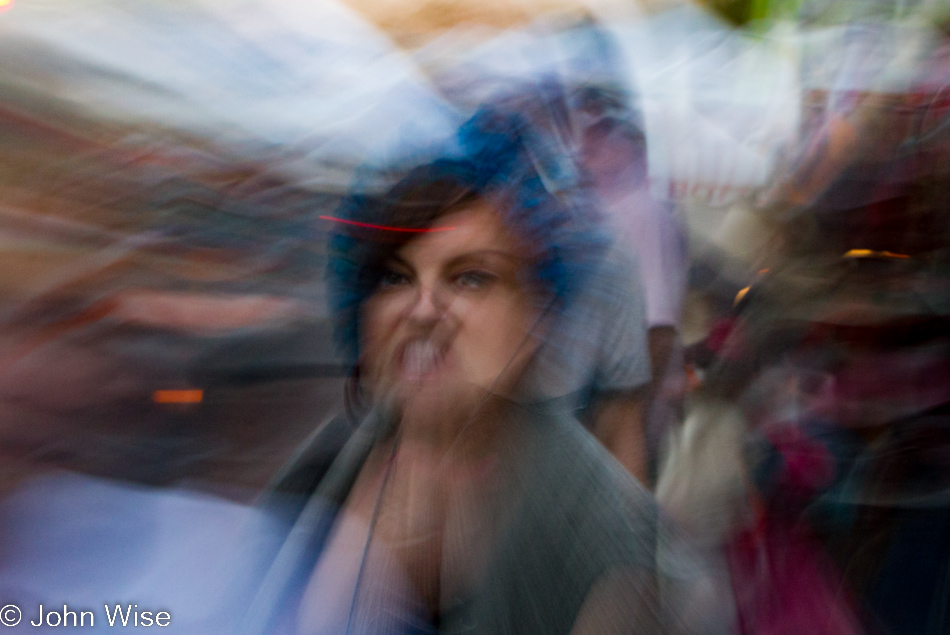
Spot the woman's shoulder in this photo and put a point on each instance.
(580, 518)
(310, 462)
(585, 502)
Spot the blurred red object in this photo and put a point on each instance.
(784, 585)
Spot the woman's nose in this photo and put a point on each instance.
(428, 305)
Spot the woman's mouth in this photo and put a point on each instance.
(420, 359)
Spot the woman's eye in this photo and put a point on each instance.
(392, 278)
(474, 279)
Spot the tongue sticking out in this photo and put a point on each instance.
(420, 358)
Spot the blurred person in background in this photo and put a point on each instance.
(446, 499)
(594, 361)
(613, 149)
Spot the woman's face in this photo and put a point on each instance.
(454, 316)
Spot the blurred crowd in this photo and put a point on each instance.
(548, 316)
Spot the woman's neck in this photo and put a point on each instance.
(461, 434)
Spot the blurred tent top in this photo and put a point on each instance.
(316, 87)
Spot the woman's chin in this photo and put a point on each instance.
(439, 403)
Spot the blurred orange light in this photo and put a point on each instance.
(178, 396)
(742, 293)
(5, 5)
(867, 253)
